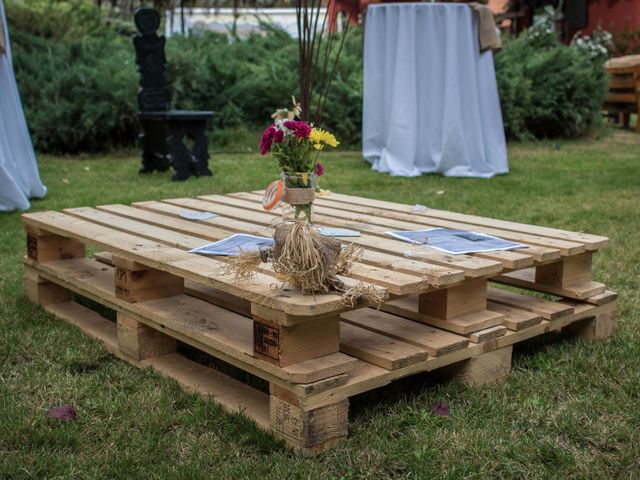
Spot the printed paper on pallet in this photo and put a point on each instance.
(455, 242)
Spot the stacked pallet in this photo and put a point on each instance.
(314, 351)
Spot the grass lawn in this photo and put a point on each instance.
(569, 410)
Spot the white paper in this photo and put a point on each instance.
(456, 242)
(195, 215)
(419, 208)
(337, 232)
(234, 245)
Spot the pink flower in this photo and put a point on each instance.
(278, 136)
(299, 129)
(267, 139)
(319, 169)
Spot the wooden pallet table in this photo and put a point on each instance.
(443, 312)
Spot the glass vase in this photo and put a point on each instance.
(300, 189)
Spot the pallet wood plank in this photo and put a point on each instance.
(231, 394)
(436, 342)
(487, 334)
(464, 324)
(381, 350)
(207, 271)
(380, 221)
(514, 318)
(412, 221)
(437, 275)
(91, 323)
(592, 242)
(547, 309)
(212, 329)
(198, 290)
(605, 297)
(527, 279)
(398, 283)
(378, 225)
(473, 267)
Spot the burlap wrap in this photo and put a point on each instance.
(299, 196)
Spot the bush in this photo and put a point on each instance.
(548, 89)
(78, 79)
(79, 95)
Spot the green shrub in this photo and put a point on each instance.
(78, 80)
(79, 95)
(548, 89)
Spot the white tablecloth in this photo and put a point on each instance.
(430, 97)
(19, 177)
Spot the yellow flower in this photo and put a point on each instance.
(319, 137)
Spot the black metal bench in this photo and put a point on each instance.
(165, 130)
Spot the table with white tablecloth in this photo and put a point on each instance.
(19, 177)
(430, 97)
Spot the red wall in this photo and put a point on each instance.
(613, 15)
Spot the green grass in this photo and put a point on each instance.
(569, 410)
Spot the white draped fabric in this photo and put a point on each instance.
(19, 177)
(430, 97)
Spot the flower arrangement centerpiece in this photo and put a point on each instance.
(296, 145)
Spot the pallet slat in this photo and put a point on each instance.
(379, 221)
(461, 324)
(207, 271)
(437, 275)
(527, 279)
(436, 342)
(473, 267)
(210, 328)
(548, 310)
(372, 222)
(593, 242)
(377, 349)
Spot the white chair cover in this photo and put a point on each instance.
(430, 97)
(19, 177)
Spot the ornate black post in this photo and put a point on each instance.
(164, 130)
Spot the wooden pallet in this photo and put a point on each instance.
(314, 351)
(624, 87)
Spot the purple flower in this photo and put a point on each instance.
(319, 169)
(299, 129)
(267, 139)
(278, 136)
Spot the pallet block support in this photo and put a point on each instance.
(600, 327)
(285, 345)
(140, 341)
(308, 431)
(42, 292)
(486, 368)
(446, 303)
(43, 246)
(570, 271)
(137, 283)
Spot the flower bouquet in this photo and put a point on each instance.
(296, 145)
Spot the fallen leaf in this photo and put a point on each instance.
(440, 192)
(440, 409)
(65, 181)
(62, 412)
(87, 169)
